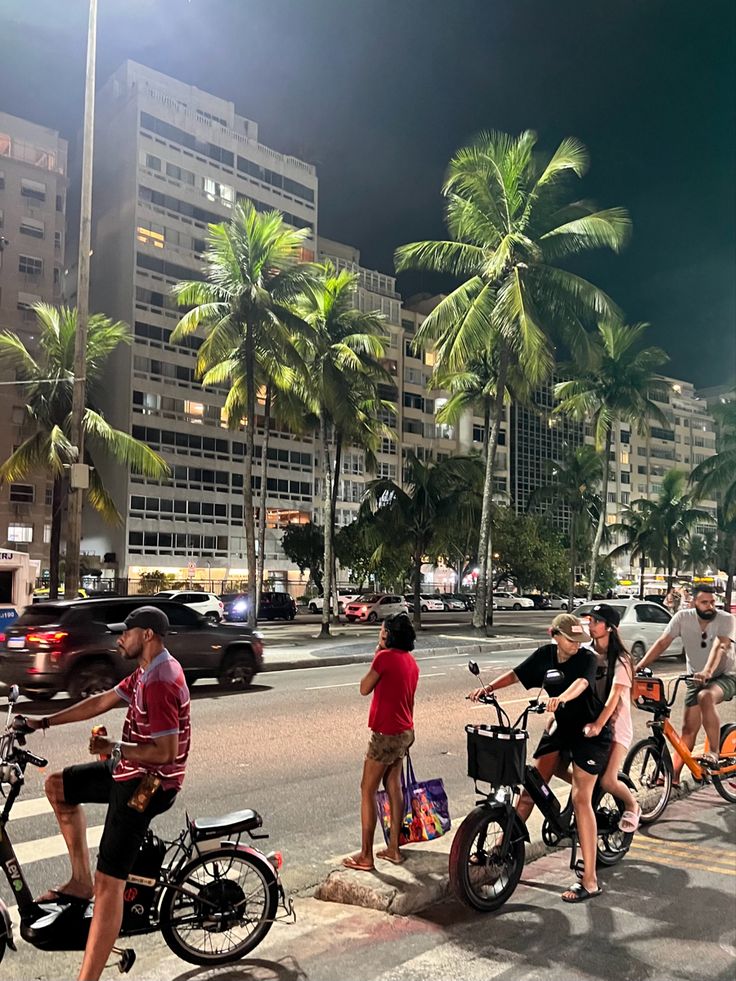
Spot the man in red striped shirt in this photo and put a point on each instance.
(138, 782)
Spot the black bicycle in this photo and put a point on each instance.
(213, 897)
(488, 852)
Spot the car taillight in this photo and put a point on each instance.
(50, 637)
(2, 638)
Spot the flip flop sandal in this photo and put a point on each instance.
(629, 822)
(57, 896)
(580, 893)
(350, 863)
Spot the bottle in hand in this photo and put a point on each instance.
(100, 731)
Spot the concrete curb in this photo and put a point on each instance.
(423, 879)
(330, 660)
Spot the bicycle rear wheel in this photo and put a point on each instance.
(649, 768)
(479, 876)
(726, 786)
(221, 906)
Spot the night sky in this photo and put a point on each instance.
(379, 93)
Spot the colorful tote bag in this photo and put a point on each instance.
(426, 810)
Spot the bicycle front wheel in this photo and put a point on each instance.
(726, 786)
(220, 906)
(612, 843)
(649, 768)
(483, 872)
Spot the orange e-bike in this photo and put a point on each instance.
(648, 763)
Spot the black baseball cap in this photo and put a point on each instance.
(148, 618)
(606, 613)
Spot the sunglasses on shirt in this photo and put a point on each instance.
(704, 639)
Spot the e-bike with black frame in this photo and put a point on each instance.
(487, 855)
(213, 898)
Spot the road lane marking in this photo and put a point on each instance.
(345, 684)
(31, 808)
(439, 674)
(52, 847)
(661, 858)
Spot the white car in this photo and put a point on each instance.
(210, 606)
(428, 603)
(372, 607)
(316, 603)
(557, 602)
(641, 624)
(511, 601)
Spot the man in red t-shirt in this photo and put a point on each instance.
(146, 767)
(392, 679)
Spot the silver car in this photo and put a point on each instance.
(641, 624)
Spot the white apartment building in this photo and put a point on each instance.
(169, 159)
(33, 185)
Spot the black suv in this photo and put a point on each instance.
(273, 606)
(70, 645)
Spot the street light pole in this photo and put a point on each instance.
(79, 473)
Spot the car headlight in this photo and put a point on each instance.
(240, 606)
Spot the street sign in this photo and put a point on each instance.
(191, 567)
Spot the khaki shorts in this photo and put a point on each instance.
(726, 682)
(389, 748)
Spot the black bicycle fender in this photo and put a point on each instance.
(6, 927)
(258, 857)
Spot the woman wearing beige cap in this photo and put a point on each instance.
(575, 705)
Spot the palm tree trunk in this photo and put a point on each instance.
(642, 567)
(483, 614)
(250, 531)
(333, 521)
(602, 517)
(729, 580)
(57, 505)
(264, 494)
(327, 523)
(573, 558)
(417, 584)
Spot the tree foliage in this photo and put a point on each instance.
(305, 546)
(528, 551)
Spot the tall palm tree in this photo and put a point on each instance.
(716, 477)
(640, 534)
(701, 551)
(674, 516)
(510, 221)
(611, 385)
(574, 484)
(435, 494)
(48, 380)
(254, 274)
(341, 355)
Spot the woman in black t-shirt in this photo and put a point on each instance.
(575, 704)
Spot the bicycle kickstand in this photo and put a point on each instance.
(126, 959)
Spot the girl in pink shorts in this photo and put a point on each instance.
(617, 675)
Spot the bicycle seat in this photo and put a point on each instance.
(235, 823)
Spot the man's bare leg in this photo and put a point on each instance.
(692, 719)
(105, 926)
(73, 827)
(708, 700)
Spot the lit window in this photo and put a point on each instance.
(195, 410)
(151, 236)
(20, 533)
(624, 456)
(46, 534)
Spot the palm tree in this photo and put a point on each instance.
(48, 381)
(574, 483)
(700, 551)
(716, 477)
(610, 386)
(510, 221)
(673, 516)
(342, 368)
(640, 536)
(435, 494)
(254, 275)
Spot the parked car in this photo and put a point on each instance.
(641, 624)
(429, 603)
(70, 645)
(540, 601)
(371, 607)
(454, 602)
(511, 601)
(557, 602)
(210, 606)
(273, 606)
(344, 596)
(469, 600)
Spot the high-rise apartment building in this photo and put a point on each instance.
(169, 159)
(33, 186)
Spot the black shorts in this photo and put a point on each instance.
(590, 755)
(125, 828)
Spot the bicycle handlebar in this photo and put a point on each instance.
(669, 702)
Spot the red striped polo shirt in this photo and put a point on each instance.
(158, 705)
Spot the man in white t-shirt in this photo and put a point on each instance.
(708, 636)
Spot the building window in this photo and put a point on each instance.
(46, 534)
(34, 190)
(22, 493)
(151, 235)
(32, 227)
(30, 265)
(48, 497)
(2, 180)
(59, 202)
(20, 533)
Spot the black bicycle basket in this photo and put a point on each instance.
(496, 754)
